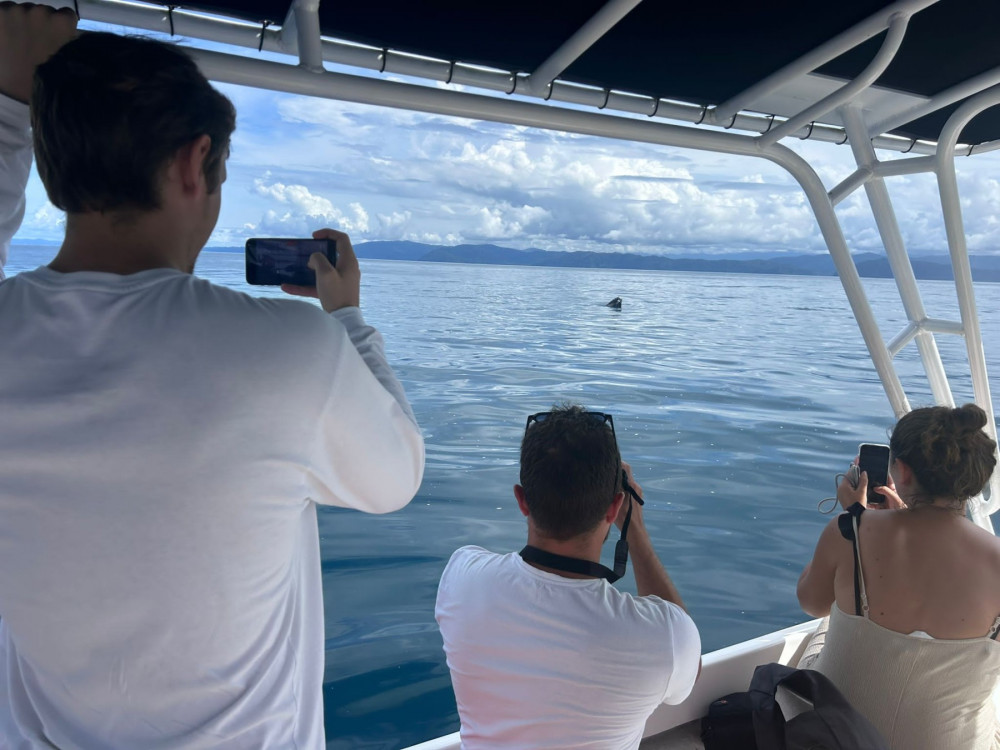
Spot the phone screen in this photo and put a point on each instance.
(275, 261)
(874, 459)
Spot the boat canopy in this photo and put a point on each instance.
(918, 60)
(918, 77)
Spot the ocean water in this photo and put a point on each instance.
(736, 398)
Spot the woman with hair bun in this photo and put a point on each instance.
(913, 589)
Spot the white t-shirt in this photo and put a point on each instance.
(163, 445)
(542, 661)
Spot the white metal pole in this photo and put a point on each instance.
(955, 230)
(852, 182)
(936, 325)
(829, 225)
(585, 37)
(862, 174)
(182, 23)
(382, 92)
(308, 34)
(846, 93)
(912, 165)
(816, 57)
(929, 324)
(895, 250)
(903, 338)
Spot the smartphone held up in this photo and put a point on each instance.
(274, 261)
(874, 459)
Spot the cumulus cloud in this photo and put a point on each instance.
(296, 210)
(603, 195)
(392, 221)
(423, 176)
(303, 211)
(504, 221)
(48, 217)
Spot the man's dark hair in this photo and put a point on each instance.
(570, 471)
(108, 113)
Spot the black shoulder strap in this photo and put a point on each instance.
(845, 522)
(831, 723)
(587, 567)
(569, 564)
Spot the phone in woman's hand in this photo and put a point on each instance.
(874, 459)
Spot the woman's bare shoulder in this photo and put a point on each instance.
(989, 541)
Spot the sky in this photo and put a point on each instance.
(301, 163)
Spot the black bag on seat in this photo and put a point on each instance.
(754, 720)
(729, 724)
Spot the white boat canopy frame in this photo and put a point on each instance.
(911, 76)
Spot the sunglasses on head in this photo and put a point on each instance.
(602, 418)
(597, 416)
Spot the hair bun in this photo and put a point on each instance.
(967, 419)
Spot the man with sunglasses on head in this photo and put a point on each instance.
(543, 651)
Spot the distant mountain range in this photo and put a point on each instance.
(870, 265)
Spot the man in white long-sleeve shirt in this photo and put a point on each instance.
(164, 441)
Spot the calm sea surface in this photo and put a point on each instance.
(736, 399)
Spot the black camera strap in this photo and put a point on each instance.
(574, 564)
(848, 522)
(584, 567)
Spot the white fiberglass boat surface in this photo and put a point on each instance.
(911, 77)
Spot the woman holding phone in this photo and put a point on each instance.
(911, 589)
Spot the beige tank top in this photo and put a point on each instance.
(921, 693)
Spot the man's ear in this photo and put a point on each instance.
(188, 165)
(615, 508)
(521, 502)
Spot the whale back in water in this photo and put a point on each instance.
(615, 304)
